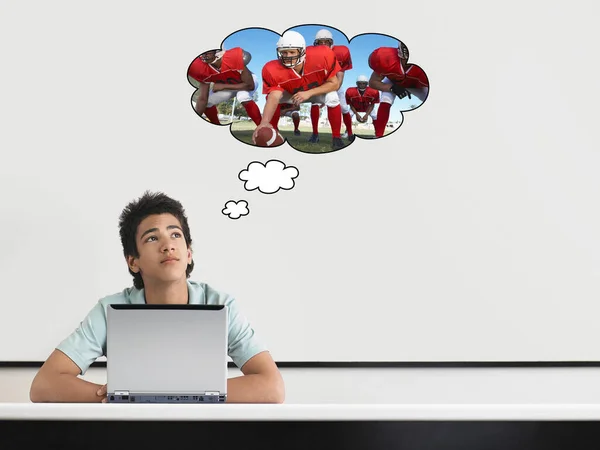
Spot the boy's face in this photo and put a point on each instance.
(163, 251)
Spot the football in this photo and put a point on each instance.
(268, 137)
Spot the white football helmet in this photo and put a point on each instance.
(402, 50)
(291, 40)
(362, 82)
(323, 37)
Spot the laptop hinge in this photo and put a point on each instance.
(212, 393)
(121, 392)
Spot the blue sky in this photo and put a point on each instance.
(261, 44)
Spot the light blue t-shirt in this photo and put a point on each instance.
(88, 341)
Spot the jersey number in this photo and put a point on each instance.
(306, 88)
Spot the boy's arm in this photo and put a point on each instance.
(58, 381)
(261, 383)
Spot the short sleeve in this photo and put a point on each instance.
(243, 343)
(269, 84)
(237, 58)
(332, 64)
(88, 341)
(347, 63)
(196, 71)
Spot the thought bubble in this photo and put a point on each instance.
(268, 178)
(235, 210)
(246, 84)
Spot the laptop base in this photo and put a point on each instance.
(153, 398)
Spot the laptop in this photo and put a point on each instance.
(166, 353)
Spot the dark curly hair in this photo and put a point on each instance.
(149, 203)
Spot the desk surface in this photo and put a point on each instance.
(297, 412)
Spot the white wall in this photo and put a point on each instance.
(470, 233)
(502, 385)
(541, 125)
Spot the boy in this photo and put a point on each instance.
(156, 243)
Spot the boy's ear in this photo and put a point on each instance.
(132, 263)
(189, 255)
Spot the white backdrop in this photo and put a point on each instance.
(471, 234)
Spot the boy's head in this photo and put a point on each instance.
(156, 239)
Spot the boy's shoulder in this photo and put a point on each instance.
(128, 295)
(204, 294)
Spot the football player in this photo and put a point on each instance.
(342, 53)
(362, 99)
(302, 74)
(223, 74)
(393, 76)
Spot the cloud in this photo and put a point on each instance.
(235, 210)
(242, 110)
(270, 177)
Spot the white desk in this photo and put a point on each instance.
(300, 412)
(289, 426)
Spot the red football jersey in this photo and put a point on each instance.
(415, 78)
(361, 102)
(342, 53)
(386, 62)
(320, 64)
(232, 64)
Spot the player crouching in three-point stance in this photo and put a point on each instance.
(393, 76)
(362, 99)
(223, 74)
(300, 75)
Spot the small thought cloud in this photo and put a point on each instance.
(235, 210)
(270, 177)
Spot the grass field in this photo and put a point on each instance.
(243, 130)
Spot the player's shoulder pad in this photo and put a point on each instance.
(319, 50)
(270, 64)
(235, 52)
(374, 54)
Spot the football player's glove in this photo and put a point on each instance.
(399, 91)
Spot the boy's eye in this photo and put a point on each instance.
(175, 234)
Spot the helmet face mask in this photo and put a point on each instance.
(327, 42)
(291, 60)
(402, 51)
(209, 56)
(290, 41)
(212, 56)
